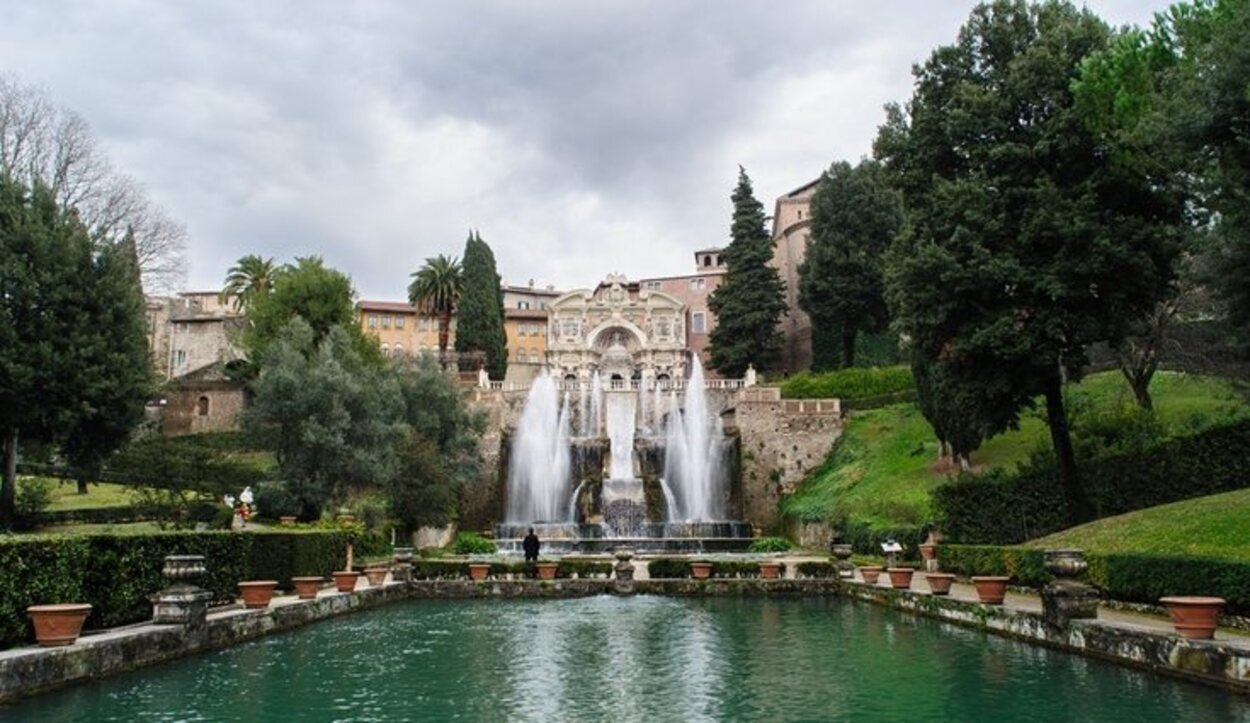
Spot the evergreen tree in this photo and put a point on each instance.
(480, 315)
(1027, 238)
(436, 289)
(855, 215)
(751, 299)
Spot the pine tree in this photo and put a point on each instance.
(480, 320)
(750, 301)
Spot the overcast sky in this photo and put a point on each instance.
(579, 137)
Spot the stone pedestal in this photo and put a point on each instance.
(624, 584)
(1067, 600)
(401, 572)
(842, 559)
(182, 603)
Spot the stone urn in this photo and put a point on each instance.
(307, 587)
(58, 624)
(870, 573)
(478, 571)
(345, 580)
(402, 554)
(928, 551)
(700, 570)
(546, 570)
(770, 570)
(991, 589)
(842, 555)
(624, 567)
(257, 593)
(900, 577)
(376, 575)
(939, 582)
(1194, 617)
(1065, 564)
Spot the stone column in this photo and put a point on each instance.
(182, 603)
(624, 584)
(1066, 598)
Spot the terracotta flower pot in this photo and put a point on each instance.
(770, 570)
(478, 570)
(991, 589)
(870, 573)
(939, 582)
(286, 520)
(58, 624)
(546, 570)
(701, 570)
(307, 587)
(345, 580)
(928, 551)
(1194, 617)
(376, 575)
(257, 593)
(900, 577)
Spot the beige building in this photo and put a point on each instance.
(190, 331)
(693, 291)
(791, 232)
(525, 312)
(399, 329)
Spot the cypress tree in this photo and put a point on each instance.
(480, 326)
(750, 301)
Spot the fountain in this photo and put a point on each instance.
(634, 472)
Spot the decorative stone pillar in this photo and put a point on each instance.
(842, 554)
(624, 584)
(182, 603)
(1066, 598)
(401, 570)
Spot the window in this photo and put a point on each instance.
(533, 356)
(398, 350)
(800, 214)
(386, 350)
(522, 304)
(201, 407)
(698, 283)
(707, 260)
(399, 322)
(373, 322)
(180, 358)
(698, 323)
(386, 322)
(652, 285)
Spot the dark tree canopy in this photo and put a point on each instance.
(1027, 240)
(751, 299)
(855, 215)
(480, 315)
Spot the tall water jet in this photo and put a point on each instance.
(538, 468)
(692, 462)
(596, 406)
(583, 411)
(621, 428)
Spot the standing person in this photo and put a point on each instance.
(530, 545)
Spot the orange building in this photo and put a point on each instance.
(399, 329)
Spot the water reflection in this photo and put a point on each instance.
(643, 658)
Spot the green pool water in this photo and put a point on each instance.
(634, 659)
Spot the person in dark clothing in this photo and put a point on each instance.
(530, 545)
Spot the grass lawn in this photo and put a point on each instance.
(1213, 526)
(65, 496)
(881, 471)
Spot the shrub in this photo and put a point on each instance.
(471, 543)
(817, 569)
(118, 573)
(850, 384)
(439, 570)
(31, 498)
(1023, 566)
(867, 540)
(668, 568)
(274, 499)
(1003, 508)
(735, 569)
(771, 544)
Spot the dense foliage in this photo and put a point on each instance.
(480, 315)
(471, 543)
(436, 289)
(116, 574)
(750, 300)
(855, 215)
(770, 544)
(854, 384)
(1006, 508)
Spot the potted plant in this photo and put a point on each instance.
(1194, 617)
(770, 570)
(58, 624)
(900, 577)
(939, 582)
(546, 570)
(478, 570)
(257, 593)
(870, 573)
(991, 589)
(345, 580)
(307, 587)
(376, 575)
(701, 570)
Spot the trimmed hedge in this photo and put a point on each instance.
(1127, 577)
(118, 573)
(865, 539)
(1001, 508)
(817, 569)
(459, 569)
(674, 567)
(94, 515)
(850, 384)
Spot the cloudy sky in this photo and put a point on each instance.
(580, 137)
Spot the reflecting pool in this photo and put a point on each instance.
(634, 659)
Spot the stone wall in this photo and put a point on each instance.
(209, 406)
(782, 441)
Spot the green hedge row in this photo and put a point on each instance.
(118, 573)
(459, 570)
(676, 567)
(93, 516)
(817, 569)
(867, 540)
(1128, 577)
(1002, 508)
(849, 384)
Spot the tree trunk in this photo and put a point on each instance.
(848, 349)
(1061, 438)
(965, 462)
(1139, 381)
(8, 480)
(444, 334)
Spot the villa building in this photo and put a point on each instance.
(791, 231)
(693, 291)
(190, 331)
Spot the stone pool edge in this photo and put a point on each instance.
(33, 670)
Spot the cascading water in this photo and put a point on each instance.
(692, 461)
(596, 406)
(621, 427)
(538, 470)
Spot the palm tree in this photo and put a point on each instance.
(249, 278)
(436, 289)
